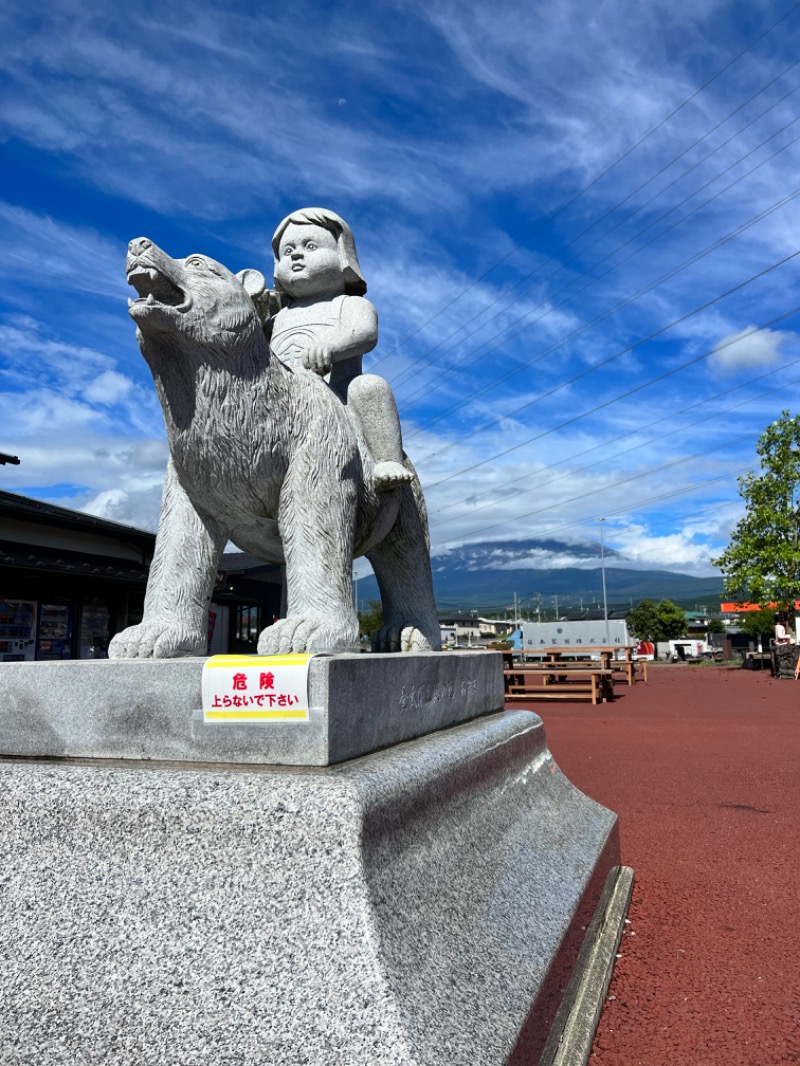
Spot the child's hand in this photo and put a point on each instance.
(318, 359)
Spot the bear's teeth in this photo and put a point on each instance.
(150, 298)
(130, 301)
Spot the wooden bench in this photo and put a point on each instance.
(629, 667)
(563, 681)
(608, 656)
(549, 693)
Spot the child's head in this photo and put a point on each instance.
(319, 217)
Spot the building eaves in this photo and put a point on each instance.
(80, 564)
(24, 508)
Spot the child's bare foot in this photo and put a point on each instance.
(390, 475)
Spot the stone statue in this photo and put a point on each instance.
(328, 326)
(264, 452)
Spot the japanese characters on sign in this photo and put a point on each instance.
(579, 633)
(256, 688)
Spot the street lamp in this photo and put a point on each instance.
(603, 570)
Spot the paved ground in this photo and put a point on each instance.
(701, 764)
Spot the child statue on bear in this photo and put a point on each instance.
(327, 326)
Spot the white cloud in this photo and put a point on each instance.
(137, 507)
(76, 421)
(133, 117)
(749, 347)
(42, 371)
(687, 550)
(108, 388)
(49, 252)
(463, 133)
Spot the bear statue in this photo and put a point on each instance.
(267, 455)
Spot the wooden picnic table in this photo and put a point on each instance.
(558, 681)
(608, 654)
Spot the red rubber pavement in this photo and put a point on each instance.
(701, 765)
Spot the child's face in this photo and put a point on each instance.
(308, 262)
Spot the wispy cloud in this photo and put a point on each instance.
(749, 348)
(50, 252)
(536, 191)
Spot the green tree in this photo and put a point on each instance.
(762, 562)
(716, 625)
(371, 619)
(657, 621)
(758, 623)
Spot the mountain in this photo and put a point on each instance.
(484, 577)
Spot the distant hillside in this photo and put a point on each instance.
(468, 579)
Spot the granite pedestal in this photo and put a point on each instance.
(151, 709)
(420, 906)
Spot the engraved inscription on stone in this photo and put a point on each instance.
(434, 692)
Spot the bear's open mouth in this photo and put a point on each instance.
(154, 287)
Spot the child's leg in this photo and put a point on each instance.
(372, 401)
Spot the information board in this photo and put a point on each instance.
(537, 635)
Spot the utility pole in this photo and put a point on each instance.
(603, 569)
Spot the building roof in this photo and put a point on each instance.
(242, 562)
(595, 614)
(25, 509)
(59, 561)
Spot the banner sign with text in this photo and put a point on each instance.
(537, 635)
(256, 688)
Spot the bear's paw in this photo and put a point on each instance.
(154, 640)
(307, 633)
(400, 638)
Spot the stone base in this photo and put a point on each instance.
(151, 709)
(424, 905)
(785, 660)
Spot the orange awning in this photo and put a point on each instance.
(733, 608)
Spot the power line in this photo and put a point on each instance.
(621, 481)
(562, 265)
(481, 351)
(631, 347)
(629, 392)
(606, 512)
(573, 199)
(639, 429)
(642, 503)
(626, 451)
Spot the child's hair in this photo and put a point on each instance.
(354, 284)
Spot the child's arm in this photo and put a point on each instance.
(357, 334)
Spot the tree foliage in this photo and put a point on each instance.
(657, 621)
(758, 623)
(371, 619)
(762, 562)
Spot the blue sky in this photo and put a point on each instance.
(550, 201)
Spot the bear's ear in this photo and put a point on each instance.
(253, 281)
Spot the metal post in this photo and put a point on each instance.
(603, 569)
